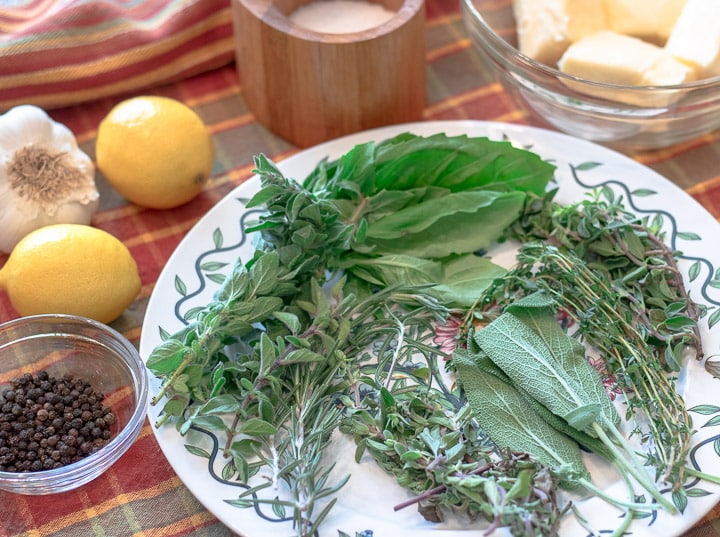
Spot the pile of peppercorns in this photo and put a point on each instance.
(48, 422)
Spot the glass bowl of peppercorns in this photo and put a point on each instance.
(73, 398)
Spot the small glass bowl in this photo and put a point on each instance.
(627, 118)
(88, 350)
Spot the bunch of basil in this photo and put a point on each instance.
(425, 207)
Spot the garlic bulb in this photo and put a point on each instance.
(45, 178)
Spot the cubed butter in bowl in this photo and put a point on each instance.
(633, 74)
(650, 20)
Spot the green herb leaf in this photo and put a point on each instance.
(257, 427)
(525, 357)
(439, 228)
(166, 357)
(509, 421)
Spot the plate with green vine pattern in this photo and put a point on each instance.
(365, 504)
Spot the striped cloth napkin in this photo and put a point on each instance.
(57, 53)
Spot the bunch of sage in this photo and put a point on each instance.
(525, 353)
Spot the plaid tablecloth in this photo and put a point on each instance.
(141, 495)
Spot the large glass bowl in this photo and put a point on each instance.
(88, 350)
(628, 118)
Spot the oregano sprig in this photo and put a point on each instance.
(264, 362)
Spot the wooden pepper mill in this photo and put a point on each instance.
(309, 87)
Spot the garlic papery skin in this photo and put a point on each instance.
(45, 178)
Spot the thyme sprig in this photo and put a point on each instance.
(632, 253)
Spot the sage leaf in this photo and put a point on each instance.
(509, 421)
(525, 357)
(536, 311)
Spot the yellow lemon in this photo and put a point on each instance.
(71, 269)
(155, 151)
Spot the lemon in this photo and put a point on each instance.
(71, 269)
(155, 151)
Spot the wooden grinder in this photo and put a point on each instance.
(308, 87)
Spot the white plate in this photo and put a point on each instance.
(194, 270)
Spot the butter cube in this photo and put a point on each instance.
(546, 28)
(652, 20)
(695, 38)
(668, 71)
(613, 58)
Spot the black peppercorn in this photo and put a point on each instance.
(47, 422)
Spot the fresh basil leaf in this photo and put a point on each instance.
(456, 224)
(464, 279)
(459, 163)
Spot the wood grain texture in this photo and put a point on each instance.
(309, 87)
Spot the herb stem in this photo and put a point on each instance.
(359, 211)
(188, 359)
(398, 347)
(437, 490)
(597, 309)
(591, 487)
(702, 475)
(635, 469)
